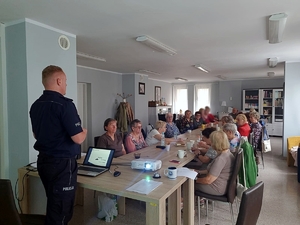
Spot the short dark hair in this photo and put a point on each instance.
(198, 113)
(207, 131)
(134, 122)
(107, 121)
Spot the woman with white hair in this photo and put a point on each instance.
(171, 128)
(234, 137)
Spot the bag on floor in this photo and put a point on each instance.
(106, 208)
(266, 146)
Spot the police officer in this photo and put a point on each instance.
(57, 129)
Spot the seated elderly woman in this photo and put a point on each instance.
(154, 136)
(230, 130)
(227, 119)
(171, 128)
(256, 128)
(198, 121)
(110, 139)
(243, 126)
(220, 169)
(135, 140)
(207, 117)
(186, 122)
(204, 153)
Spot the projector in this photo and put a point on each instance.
(146, 164)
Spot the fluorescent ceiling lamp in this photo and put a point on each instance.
(149, 72)
(88, 56)
(276, 27)
(222, 77)
(180, 79)
(201, 67)
(271, 74)
(273, 62)
(156, 45)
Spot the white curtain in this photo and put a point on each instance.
(180, 98)
(202, 95)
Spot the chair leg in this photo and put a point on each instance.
(206, 207)
(231, 210)
(262, 158)
(237, 205)
(213, 205)
(198, 198)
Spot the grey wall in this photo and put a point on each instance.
(29, 48)
(291, 119)
(104, 87)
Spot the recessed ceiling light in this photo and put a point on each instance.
(156, 45)
(222, 77)
(88, 56)
(181, 79)
(203, 68)
(149, 72)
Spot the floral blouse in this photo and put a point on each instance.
(171, 130)
(185, 125)
(132, 144)
(256, 129)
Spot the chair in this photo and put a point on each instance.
(251, 205)
(8, 211)
(96, 140)
(231, 189)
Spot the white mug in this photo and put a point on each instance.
(181, 154)
(167, 148)
(189, 131)
(189, 145)
(171, 172)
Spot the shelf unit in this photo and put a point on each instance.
(154, 111)
(269, 104)
(251, 100)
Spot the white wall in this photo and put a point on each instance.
(291, 118)
(104, 87)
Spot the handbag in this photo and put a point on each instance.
(239, 187)
(266, 146)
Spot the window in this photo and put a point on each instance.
(202, 95)
(180, 98)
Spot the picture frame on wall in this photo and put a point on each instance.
(141, 88)
(157, 93)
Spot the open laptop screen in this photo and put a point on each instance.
(100, 157)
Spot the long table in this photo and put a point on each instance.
(155, 200)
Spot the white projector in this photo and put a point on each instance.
(146, 164)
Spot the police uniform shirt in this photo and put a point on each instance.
(54, 120)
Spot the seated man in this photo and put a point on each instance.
(234, 113)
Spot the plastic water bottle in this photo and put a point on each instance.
(162, 141)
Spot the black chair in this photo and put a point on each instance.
(251, 205)
(231, 189)
(8, 211)
(96, 140)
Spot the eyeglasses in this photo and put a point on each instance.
(139, 127)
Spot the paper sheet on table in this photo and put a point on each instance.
(144, 186)
(186, 172)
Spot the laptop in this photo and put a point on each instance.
(97, 160)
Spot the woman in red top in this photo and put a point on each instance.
(243, 126)
(207, 117)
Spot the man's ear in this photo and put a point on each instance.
(58, 81)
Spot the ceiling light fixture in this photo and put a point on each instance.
(149, 72)
(222, 77)
(156, 45)
(271, 74)
(273, 62)
(180, 79)
(276, 27)
(88, 56)
(201, 67)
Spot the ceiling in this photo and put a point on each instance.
(229, 37)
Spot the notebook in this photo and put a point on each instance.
(97, 160)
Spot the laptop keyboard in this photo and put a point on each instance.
(91, 169)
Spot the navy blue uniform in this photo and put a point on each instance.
(54, 120)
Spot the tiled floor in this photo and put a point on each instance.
(281, 202)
